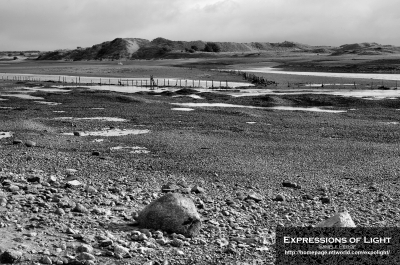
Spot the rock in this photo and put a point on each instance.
(32, 179)
(74, 183)
(121, 251)
(30, 143)
(79, 208)
(17, 141)
(3, 201)
(342, 219)
(70, 172)
(279, 198)
(85, 248)
(254, 196)
(85, 256)
(78, 133)
(13, 188)
(10, 256)
(46, 260)
(197, 189)
(325, 200)
(289, 184)
(169, 187)
(60, 211)
(171, 213)
(91, 189)
(177, 243)
(52, 179)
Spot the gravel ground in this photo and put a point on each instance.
(68, 199)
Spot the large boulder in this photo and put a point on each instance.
(171, 213)
(341, 219)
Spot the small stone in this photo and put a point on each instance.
(289, 184)
(342, 219)
(30, 143)
(33, 179)
(74, 183)
(169, 187)
(80, 208)
(177, 243)
(254, 196)
(85, 256)
(106, 243)
(46, 260)
(17, 141)
(70, 172)
(52, 179)
(13, 188)
(91, 189)
(325, 200)
(171, 213)
(120, 250)
(10, 256)
(279, 198)
(197, 189)
(85, 248)
(79, 133)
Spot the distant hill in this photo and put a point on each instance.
(135, 48)
(366, 48)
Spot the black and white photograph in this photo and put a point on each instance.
(233, 132)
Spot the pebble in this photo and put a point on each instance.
(85, 248)
(95, 153)
(80, 208)
(197, 189)
(177, 243)
(46, 260)
(30, 143)
(17, 141)
(254, 196)
(279, 198)
(289, 184)
(85, 256)
(79, 133)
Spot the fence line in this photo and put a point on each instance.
(181, 83)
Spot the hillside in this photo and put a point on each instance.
(135, 48)
(366, 48)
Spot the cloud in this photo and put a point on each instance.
(53, 24)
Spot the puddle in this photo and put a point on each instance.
(223, 105)
(134, 149)
(251, 122)
(112, 132)
(96, 108)
(50, 89)
(191, 96)
(226, 105)
(93, 118)
(390, 122)
(48, 103)
(59, 111)
(313, 109)
(6, 107)
(326, 74)
(23, 96)
(182, 109)
(98, 140)
(5, 135)
(3, 99)
(371, 94)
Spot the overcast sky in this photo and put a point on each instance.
(65, 24)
